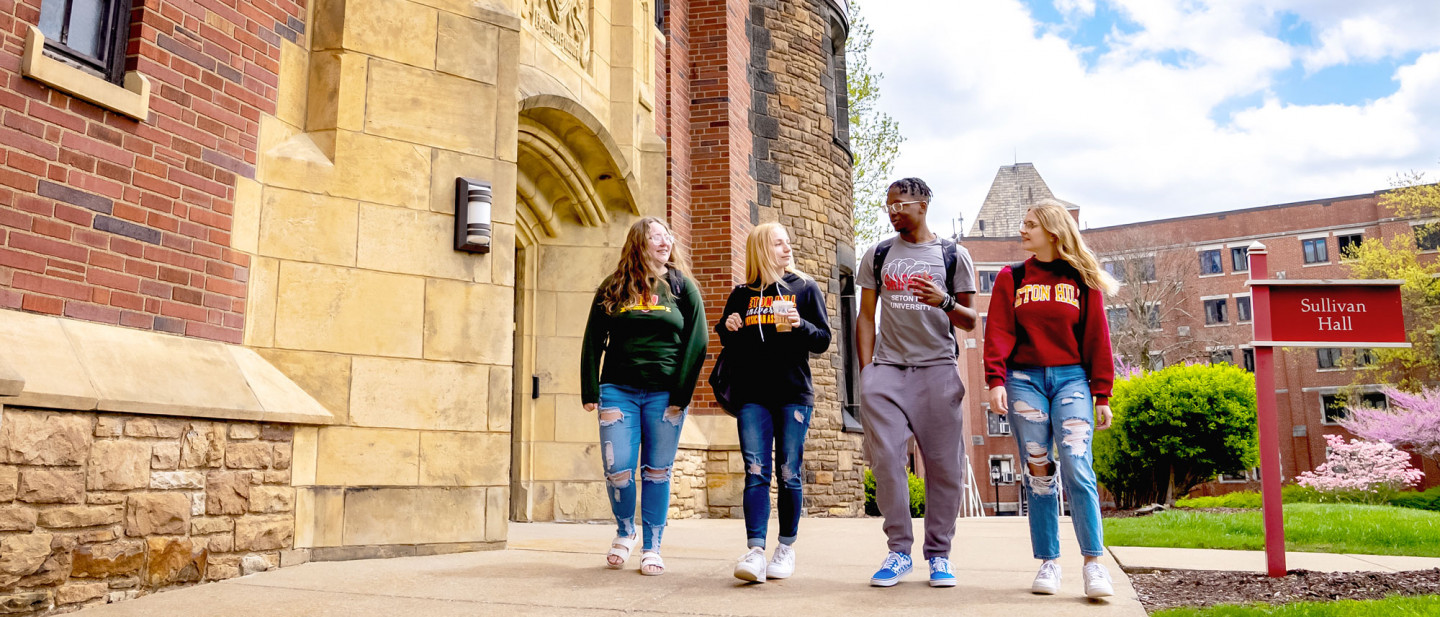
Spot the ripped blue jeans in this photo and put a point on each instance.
(636, 432)
(781, 427)
(1050, 410)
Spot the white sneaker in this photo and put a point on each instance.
(1047, 580)
(751, 566)
(782, 563)
(1097, 581)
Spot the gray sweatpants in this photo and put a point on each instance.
(895, 403)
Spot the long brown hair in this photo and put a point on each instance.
(630, 283)
(1056, 221)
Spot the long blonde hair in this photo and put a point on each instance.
(630, 283)
(760, 263)
(1056, 221)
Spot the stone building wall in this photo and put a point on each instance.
(98, 508)
(803, 166)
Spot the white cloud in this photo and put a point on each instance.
(976, 85)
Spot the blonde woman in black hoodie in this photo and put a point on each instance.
(770, 382)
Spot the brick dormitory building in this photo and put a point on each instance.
(235, 329)
(1185, 300)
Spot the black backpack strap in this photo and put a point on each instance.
(677, 287)
(950, 253)
(880, 250)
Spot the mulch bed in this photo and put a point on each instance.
(1177, 588)
(1139, 513)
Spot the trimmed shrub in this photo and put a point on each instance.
(917, 496)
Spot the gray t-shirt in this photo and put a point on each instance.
(913, 333)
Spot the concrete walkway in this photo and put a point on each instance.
(557, 570)
(1140, 559)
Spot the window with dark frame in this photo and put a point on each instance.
(1118, 315)
(1336, 406)
(1247, 359)
(1348, 244)
(1366, 357)
(1315, 250)
(87, 34)
(1240, 259)
(1242, 309)
(1427, 236)
(996, 425)
(987, 280)
(1210, 262)
(1152, 315)
(1157, 360)
(1215, 312)
(1006, 467)
(1327, 357)
(1219, 356)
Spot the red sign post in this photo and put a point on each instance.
(1296, 313)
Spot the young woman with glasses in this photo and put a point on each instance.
(643, 347)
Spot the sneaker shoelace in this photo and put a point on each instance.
(893, 562)
(941, 565)
(1096, 570)
(1048, 570)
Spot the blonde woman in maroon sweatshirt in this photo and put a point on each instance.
(1048, 364)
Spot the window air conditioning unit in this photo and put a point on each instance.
(1007, 478)
(1182, 330)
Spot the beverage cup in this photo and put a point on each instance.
(782, 310)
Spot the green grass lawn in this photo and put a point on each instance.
(1417, 606)
(1309, 527)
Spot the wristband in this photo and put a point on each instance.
(948, 304)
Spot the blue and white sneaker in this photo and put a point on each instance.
(940, 573)
(896, 566)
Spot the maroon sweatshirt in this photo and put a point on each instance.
(1048, 323)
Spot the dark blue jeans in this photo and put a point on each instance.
(782, 427)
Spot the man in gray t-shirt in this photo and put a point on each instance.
(909, 383)
(913, 333)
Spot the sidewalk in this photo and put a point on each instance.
(1142, 559)
(557, 570)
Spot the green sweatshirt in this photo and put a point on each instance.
(655, 345)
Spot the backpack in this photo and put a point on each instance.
(948, 252)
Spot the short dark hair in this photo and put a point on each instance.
(913, 187)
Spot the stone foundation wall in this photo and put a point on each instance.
(687, 485)
(98, 508)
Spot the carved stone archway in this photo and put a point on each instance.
(575, 197)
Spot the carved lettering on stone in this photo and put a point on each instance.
(565, 23)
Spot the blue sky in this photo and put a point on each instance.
(1200, 105)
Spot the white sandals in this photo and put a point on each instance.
(651, 559)
(622, 547)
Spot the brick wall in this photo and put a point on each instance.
(106, 219)
(98, 508)
(722, 189)
(1176, 241)
(673, 116)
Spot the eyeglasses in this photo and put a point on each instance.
(665, 239)
(900, 205)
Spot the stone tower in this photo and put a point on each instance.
(1016, 187)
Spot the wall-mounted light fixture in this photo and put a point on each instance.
(472, 215)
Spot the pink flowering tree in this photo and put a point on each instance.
(1412, 422)
(1364, 471)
